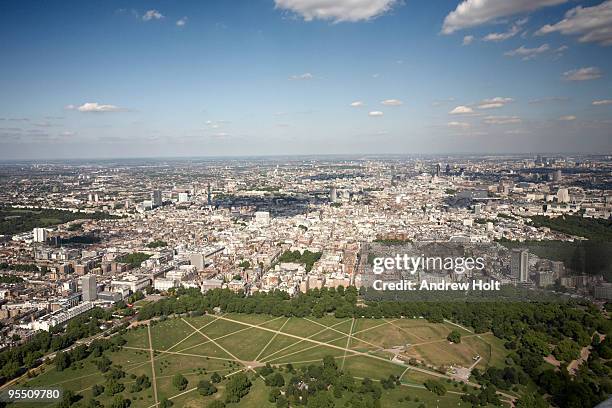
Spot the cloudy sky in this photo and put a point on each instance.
(84, 79)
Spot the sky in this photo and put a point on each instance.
(108, 79)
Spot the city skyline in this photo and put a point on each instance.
(297, 77)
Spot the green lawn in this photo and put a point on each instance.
(179, 348)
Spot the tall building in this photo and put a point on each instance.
(209, 195)
(156, 198)
(40, 234)
(333, 195)
(89, 288)
(447, 170)
(557, 175)
(563, 195)
(519, 264)
(197, 259)
(438, 169)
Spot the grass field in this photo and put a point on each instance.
(196, 347)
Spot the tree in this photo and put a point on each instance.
(180, 382)
(97, 389)
(531, 401)
(113, 387)
(274, 394)
(567, 350)
(165, 403)
(275, 380)
(31, 360)
(67, 399)
(62, 361)
(142, 382)
(281, 402)
(321, 399)
(92, 403)
(215, 378)
(11, 369)
(120, 402)
(454, 337)
(103, 364)
(237, 387)
(435, 386)
(205, 387)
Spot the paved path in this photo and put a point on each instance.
(152, 364)
(348, 343)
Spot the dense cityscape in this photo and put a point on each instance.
(306, 204)
(105, 234)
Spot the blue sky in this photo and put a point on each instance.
(89, 79)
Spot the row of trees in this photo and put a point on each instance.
(29, 219)
(17, 359)
(64, 360)
(594, 229)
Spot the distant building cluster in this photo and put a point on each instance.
(261, 226)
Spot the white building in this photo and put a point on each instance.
(39, 234)
(163, 284)
(262, 218)
(131, 282)
(53, 319)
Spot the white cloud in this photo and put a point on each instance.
(304, 76)
(152, 15)
(582, 74)
(357, 104)
(497, 37)
(392, 102)
(602, 102)
(501, 120)
(472, 13)
(375, 113)
(527, 53)
(461, 109)
(336, 10)
(468, 39)
(592, 24)
(493, 103)
(70, 107)
(95, 107)
(567, 118)
(460, 125)
(181, 22)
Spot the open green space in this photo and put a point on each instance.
(200, 346)
(17, 220)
